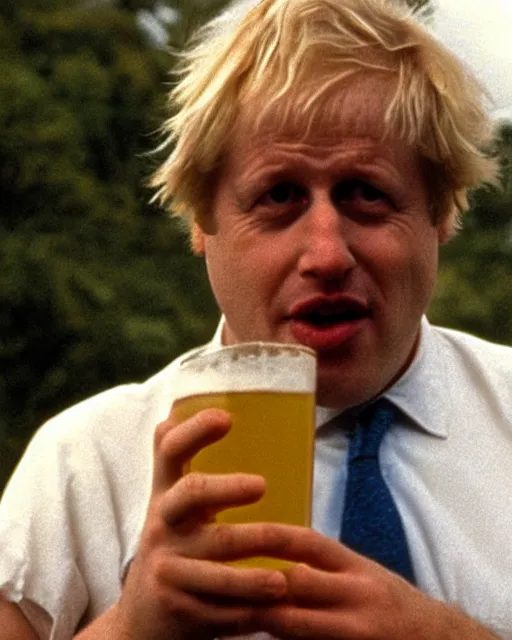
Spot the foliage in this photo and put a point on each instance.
(421, 6)
(96, 286)
(474, 292)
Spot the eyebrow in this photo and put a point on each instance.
(304, 155)
(363, 168)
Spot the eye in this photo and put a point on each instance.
(370, 193)
(361, 194)
(283, 193)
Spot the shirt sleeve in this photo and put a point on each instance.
(38, 558)
(72, 513)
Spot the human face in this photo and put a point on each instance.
(326, 240)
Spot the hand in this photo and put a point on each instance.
(177, 586)
(343, 595)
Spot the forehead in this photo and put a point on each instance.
(350, 118)
(348, 106)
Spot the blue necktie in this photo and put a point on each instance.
(371, 524)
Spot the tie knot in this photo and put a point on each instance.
(373, 422)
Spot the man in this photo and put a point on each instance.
(322, 150)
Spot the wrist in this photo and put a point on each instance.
(460, 625)
(108, 626)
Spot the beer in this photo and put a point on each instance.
(268, 390)
(271, 435)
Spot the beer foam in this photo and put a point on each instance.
(251, 366)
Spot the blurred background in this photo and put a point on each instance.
(98, 287)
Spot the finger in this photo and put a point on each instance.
(306, 546)
(197, 617)
(176, 443)
(309, 587)
(200, 495)
(368, 581)
(289, 622)
(287, 542)
(224, 582)
(228, 542)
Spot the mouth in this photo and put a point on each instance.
(328, 322)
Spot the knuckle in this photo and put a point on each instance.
(271, 584)
(224, 540)
(194, 484)
(362, 627)
(381, 583)
(165, 593)
(161, 431)
(214, 423)
(213, 414)
(314, 543)
(155, 532)
(227, 582)
(302, 626)
(158, 565)
(233, 622)
(245, 621)
(274, 537)
(298, 574)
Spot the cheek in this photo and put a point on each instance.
(422, 274)
(425, 252)
(403, 266)
(252, 279)
(235, 273)
(220, 265)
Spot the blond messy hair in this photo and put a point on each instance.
(286, 56)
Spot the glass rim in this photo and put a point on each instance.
(248, 348)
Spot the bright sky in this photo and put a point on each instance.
(480, 32)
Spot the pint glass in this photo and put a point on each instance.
(269, 391)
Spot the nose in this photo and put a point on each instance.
(326, 250)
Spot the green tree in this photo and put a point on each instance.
(474, 290)
(96, 286)
(420, 5)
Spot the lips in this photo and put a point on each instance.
(327, 322)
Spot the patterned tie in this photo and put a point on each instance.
(371, 524)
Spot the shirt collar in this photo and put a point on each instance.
(216, 341)
(420, 393)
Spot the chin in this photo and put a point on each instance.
(343, 388)
(335, 395)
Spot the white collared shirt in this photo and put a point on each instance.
(71, 516)
(448, 463)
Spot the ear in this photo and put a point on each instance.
(197, 239)
(446, 229)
